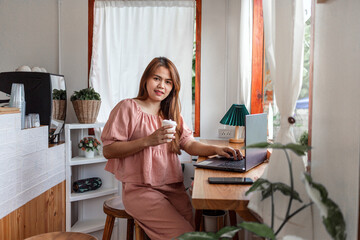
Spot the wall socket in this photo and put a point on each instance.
(226, 133)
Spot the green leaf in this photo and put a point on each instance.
(333, 218)
(198, 236)
(266, 187)
(283, 188)
(59, 94)
(298, 149)
(304, 138)
(85, 94)
(259, 229)
(259, 145)
(258, 184)
(227, 232)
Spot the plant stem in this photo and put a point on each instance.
(272, 208)
(292, 191)
(291, 215)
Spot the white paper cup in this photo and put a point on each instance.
(172, 123)
(35, 119)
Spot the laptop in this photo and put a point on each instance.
(255, 132)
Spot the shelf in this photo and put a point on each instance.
(88, 226)
(93, 194)
(83, 160)
(84, 125)
(86, 207)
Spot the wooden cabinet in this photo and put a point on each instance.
(84, 211)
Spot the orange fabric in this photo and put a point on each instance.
(163, 212)
(156, 165)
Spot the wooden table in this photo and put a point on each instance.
(223, 196)
(62, 236)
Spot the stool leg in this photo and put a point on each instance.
(130, 229)
(139, 232)
(220, 222)
(198, 217)
(233, 222)
(109, 225)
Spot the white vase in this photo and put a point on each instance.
(89, 154)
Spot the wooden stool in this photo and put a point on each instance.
(62, 236)
(113, 209)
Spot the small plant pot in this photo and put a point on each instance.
(89, 154)
(58, 109)
(86, 110)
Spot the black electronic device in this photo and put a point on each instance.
(230, 180)
(39, 88)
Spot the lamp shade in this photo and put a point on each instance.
(235, 116)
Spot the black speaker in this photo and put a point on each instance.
(87, 184)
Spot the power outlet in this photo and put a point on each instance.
(226, 133)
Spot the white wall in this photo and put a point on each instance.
(219, 63)
(336, 113)
(74, 48)
(29, 34)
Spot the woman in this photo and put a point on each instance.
(142, 158)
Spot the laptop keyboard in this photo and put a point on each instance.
(236, 164)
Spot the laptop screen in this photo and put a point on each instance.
(255, 132)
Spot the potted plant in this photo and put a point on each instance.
(89, 145)
(86, 103)
(58, 104)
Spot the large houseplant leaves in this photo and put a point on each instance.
(267, 188)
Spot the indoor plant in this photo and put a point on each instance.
(89, 145)
(86, 103)
(58, 104)
(332, 217)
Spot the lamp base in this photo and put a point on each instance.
(236, 140)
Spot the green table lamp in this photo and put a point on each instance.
(235, 116)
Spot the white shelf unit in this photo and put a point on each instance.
(84, 211)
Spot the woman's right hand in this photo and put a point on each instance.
(162, 135)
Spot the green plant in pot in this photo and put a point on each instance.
(86, 103)
(332, 217)
(58, 104)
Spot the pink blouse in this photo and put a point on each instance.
(155, 165)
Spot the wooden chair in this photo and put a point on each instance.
(62, 236)
(113, 209)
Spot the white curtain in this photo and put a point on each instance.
(128, 35)
(245, 62)
(284, 34)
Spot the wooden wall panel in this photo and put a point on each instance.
(45, 213)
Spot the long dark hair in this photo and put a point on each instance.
(170, 106)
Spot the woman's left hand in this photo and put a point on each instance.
(229, 152)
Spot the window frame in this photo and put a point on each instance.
(197, 68)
